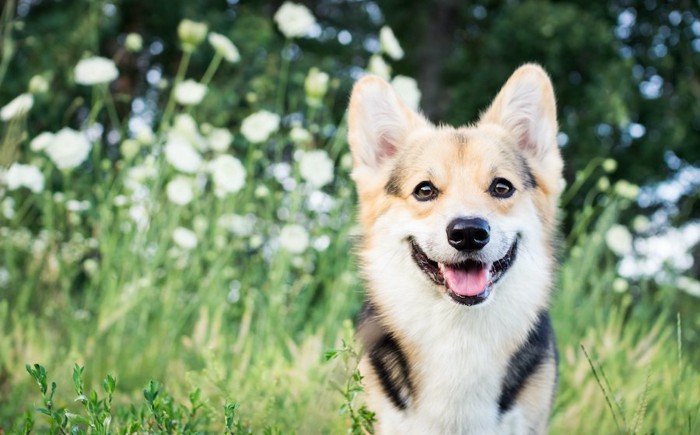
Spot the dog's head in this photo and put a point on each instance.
(460, 206)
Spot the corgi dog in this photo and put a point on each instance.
(457, 254)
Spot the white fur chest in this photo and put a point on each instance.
(458, 355)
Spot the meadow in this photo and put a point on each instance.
(160, 273)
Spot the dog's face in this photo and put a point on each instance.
(458, 206)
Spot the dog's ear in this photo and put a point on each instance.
(526, 107)
(378, 123)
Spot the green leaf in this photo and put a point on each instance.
(109, 384)
(151, 391)
(331, 354)
(77, 381)
(38, 372)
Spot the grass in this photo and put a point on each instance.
(108, 325)
(261, 365)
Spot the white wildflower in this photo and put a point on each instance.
(8, 207)
(137, 175)
(180, 154)
(190, 93)
(28, 176)
(261, 191)
(322, 243)
(620, 285)
(76, 206)
(260, 125)
(407, 88)
(185, 238)
(95, 70)
(294, 20)
(41, 141)
(133, 42)
(234, 292)
(689, 285)
(17, 107)
(145, 135)
(224, 47)
(619, 240)
(68, 149)
(140, 215)
(180, 190)
(200, 224)
(300, 135)
(228, 174)
(185, 127)
(4, 277)
(185, 124)
(316, 168)
(294, 238)
(219, 139)
(320, 202)
(120, 200)
(377, 66)
(389, 44)
(239, 225)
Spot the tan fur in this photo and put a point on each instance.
(395, 149)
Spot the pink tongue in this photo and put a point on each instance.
(470, 282)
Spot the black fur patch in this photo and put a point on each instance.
(393, 186)
(387, 358)
(531, 354)
(526, 173)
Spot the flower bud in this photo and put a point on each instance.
(316, 85)
(129, 148)
(38, 85)
(133, 42)
(609, 165)
(191, 33)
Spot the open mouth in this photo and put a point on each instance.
(469, 282)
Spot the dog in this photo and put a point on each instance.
(457, 252)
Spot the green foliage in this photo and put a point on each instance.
(160, 413)
(113, 267)
(361, 418)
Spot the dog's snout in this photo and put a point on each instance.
(468, 234)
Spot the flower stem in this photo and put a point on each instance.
(111, 108)
(580, 180)
(284, 77)
(211, 69)
(96, 107)
(8, 48)
(170, 107)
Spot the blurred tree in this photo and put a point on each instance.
(625, 71)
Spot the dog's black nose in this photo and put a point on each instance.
(468, 234)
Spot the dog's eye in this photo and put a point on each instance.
(501, 188)
(425, 191)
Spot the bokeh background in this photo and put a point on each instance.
(179, 215)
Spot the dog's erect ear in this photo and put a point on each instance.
(525, 106)
(378, 123)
